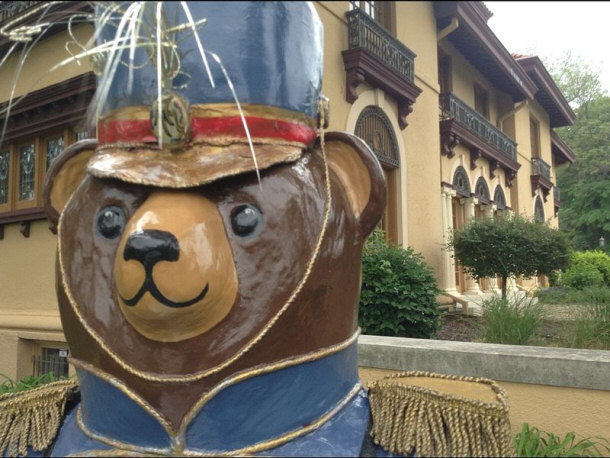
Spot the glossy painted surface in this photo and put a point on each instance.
(250, 412)
(173, 268)
(269, 265)
(260, 45)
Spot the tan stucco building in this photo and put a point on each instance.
(462, 128)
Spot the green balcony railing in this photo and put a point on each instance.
(364, 32)
(539, 167)
(453, 108)
(11, 9)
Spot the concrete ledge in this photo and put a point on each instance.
(562, 367)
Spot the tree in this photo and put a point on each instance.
(509, 246)
(585, 185)
(579, 83)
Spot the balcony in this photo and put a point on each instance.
(541, 177)
(375, 56)
(461, 124)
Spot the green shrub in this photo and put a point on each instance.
(510, 321)
(533, 442)
(398, 296)
(582, 275)
(587, 268)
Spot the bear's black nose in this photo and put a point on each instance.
(151, 246)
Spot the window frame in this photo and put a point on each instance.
(40, 140)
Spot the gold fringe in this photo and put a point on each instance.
(33, 417)
(408, 418)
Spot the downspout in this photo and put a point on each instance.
(512, 112)
(453, 25)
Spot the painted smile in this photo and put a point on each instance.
(149, 285)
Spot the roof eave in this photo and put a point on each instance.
(471, 22)
(560, 112)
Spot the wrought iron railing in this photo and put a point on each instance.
(11, 9)
(539, 167)
(556, 194)
(453, 108)
(364, 32)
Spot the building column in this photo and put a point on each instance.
(472, 287)
(448, 278)
(492, 282)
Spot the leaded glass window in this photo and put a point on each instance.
(82, 135)
(499, 198)
(27, 171)
(374, 127)
(54, 147)
(481, 191)
(461, 184)
(4, 171)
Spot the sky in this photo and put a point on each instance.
(550, 29)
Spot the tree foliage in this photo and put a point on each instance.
(579, 83)
(509, 246)
(585, 185)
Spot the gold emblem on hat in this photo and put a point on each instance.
(173, 132)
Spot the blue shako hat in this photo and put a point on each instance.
(236, 86)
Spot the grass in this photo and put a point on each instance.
(510, 321)
(533, 442)
(27, 383)
(590, 307)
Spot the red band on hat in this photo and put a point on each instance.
(140, 130)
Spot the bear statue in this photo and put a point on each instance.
(209, 243)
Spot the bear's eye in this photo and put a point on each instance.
(110, 222)
(245, 220)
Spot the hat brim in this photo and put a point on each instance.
(195, 166)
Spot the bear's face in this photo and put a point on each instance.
(184, 282)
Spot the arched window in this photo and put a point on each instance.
(461, 184)
(481, 191)
(539, 210)
(499, 198)
(374, 127)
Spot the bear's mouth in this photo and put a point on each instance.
(149, 285)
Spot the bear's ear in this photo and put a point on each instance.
(65, 174)
(360, 175)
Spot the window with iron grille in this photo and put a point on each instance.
(374, 127)
(499, 198)
(53, 360)
(481, 191)
(461, 184)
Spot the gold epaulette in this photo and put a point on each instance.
(440, 415)
(32, 418)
